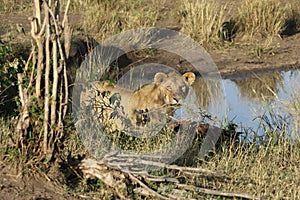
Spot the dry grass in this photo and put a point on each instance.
(103, 19)
(262, 18)
(202, 20)
(292, 107)
(270, 171)
(14, 5)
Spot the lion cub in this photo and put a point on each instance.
(150, 104)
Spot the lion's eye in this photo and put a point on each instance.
(183, 89)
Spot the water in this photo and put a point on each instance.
(245, 99)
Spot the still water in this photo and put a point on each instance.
(251, 101)
(246, 100)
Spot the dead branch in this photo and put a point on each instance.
(112, 177)
(47, 80)
(216, 192)
(154, 193)
(125, 161)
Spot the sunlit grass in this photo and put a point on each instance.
(203, 20)
(269, 171)
(106, 18)
(262, 18)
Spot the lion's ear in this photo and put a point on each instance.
(160, 77)
(189, 77)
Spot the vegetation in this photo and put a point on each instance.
(106, 18)
(266, 167)
(203, 20)
(262, 19)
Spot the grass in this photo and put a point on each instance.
(262, 18)
(257, 23)
(292, 107)
(106, 18)
(203, 20)
(14, 5)
(269, 171)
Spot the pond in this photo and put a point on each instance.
(255, 101)
(252, 101)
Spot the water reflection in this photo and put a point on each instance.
(209, 92)
(258, 88)
(247, 98)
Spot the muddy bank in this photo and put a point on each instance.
(238, 60)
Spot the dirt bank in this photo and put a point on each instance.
(238, 60)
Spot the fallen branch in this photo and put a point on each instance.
(113, 178)
(175, 188)
(154, 193)
(216, 192)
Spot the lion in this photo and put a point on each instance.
(151, 103)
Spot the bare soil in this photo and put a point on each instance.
(234, 61)
(14, 184)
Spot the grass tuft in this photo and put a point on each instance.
(262, 18)
(203, 20)
(106, 18)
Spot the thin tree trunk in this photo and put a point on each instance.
(47, 80)
(50, 91)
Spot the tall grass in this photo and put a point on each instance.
(270, 171)
(262, 18)
(292, 107)
(106, 18)
(14, 5)
(202, 20)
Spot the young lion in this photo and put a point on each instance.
(151, 103)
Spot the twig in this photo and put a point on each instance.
(146, 187)
(159, 179)
(216, 192)
(66, 14)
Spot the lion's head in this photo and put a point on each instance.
(178, 85)
(160, 98)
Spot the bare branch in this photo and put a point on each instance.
(154, 193)
(66, 14)
(47, 80)
(55, 83)
(216, 192)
